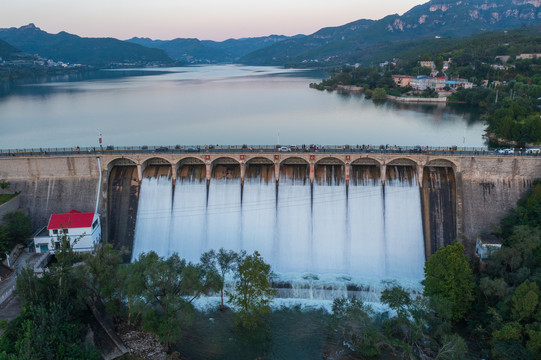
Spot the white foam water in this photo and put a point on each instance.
(321, 240)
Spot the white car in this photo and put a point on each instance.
(284, 148)
(533, 151)
(506, 151)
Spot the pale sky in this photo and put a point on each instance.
(202, 19)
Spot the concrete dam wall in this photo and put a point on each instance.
(461, 195)
(51, 184)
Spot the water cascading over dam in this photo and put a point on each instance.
(324, 230)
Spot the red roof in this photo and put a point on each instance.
(70, 220)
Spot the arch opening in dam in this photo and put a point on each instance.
(439, 204)
(122, 202)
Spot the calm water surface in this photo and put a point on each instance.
(219, 105)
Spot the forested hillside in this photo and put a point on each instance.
(364, 41)
(77, 50)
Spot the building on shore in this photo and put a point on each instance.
(82, 229)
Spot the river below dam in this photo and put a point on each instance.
(222, 104)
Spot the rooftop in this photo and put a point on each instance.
(70, 220)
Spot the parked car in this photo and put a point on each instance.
(284, 148)
(506, 151)
(162, 149)
(533, 151)
(192, 149)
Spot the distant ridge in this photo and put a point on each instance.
(437, 18)
(207, 51)
(74, 49)
(9, 52)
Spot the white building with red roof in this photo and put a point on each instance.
(83, 231)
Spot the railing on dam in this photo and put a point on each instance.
(181, 149)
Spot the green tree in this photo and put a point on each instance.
(4, 184)
(379, 94)
(163, 289)
(252, 294)
(101, 273)
(526, 301)
(448, 275)
(352, 320)
(439, 63)
(51, 324)
(223, 262)
(50, 333)
(398, 299)
(4, 241)
(19, 227)
(368, 93)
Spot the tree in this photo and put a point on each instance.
(439, 63)
(4, 184)
(19, 226)
(398, 299)
(4, 241)
(163, 289)
(379, 94)
(526, 301)
(48, 332)
(102, 277)
(353, 320)
(448, 275)
(252, 294)
(51, 324)
(223, 262)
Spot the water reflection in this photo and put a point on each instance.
(222, 105)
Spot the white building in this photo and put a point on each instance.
(423, 82)
(82, 229)
(486, 245)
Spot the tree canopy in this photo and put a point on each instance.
(448, 275)
(252, 294)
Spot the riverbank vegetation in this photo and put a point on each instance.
(16, 230)
(469, 308)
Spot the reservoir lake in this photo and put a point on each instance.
(222, 104)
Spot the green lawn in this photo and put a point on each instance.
(6, 197)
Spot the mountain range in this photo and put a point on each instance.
(361, 41)
(208, 51)
(79, 50)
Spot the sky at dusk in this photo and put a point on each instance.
(202, 19)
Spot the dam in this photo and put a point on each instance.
(355, 213)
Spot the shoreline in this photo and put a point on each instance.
(412, 99)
